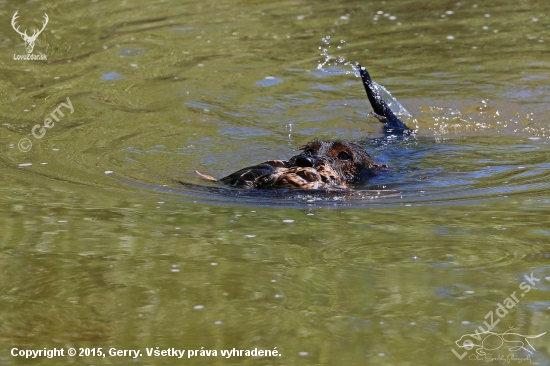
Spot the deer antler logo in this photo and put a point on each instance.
(29, 41)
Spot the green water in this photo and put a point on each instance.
(100, 248)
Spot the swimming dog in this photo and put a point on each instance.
(325, 165)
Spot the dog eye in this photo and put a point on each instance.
(344, 156)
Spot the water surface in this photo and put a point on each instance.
(99, 247)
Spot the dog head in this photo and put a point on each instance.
(327, 165)
(343, 161)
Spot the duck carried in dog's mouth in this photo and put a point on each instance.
(323, 165)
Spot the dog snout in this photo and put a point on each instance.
(304, 161)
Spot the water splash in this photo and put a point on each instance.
(396, 107)
(329, 60)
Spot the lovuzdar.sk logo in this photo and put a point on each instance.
(29, 40)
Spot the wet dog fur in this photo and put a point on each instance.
(324, 165)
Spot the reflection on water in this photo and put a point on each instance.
(100, 247)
